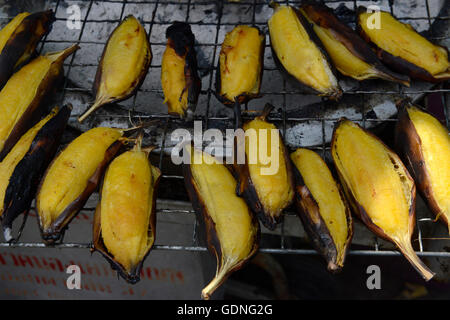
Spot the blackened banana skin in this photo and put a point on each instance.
(22, 44)
(182, 41)
(25, 178)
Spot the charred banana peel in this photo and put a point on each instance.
(351, 55)
(424, 145)
(322, 208)
(22, 168)
(400, 47)
(123, 66)
(231, 230)
(179, 78)
(241, 63)
(72, 177)
(266, 180)
(22, 96)
(378, 186)
(125, 219)
(298, 52)
(19, 38)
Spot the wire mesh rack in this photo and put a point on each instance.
(222, 16)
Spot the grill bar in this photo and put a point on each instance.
(202, 249)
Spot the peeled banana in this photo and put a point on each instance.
(424, 145)
(179, 78)
(72, 177)
(241, 63)
(19, 38)
(322, 207)
(378, 186)
(266, 180)
(351, 55)
(123, 66)
(400, 47)
(232, 232)
(22, 96)
(22, 168)
(298, 52)
(125, 219)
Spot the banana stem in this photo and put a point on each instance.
(338, 264)
(389, 77)
(138, 143)
(409, 253)
(220, 277)
(97, 104)
(274, 5)
(142, 125)
(266, 111)
(62, 55)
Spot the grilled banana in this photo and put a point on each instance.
(241, 63)
(351, 55)
(378, 186)
(266, 180)
(322, 208)
(424, 145)
(400, 47)
(72, 177)
(298, 52)
(19, 38)
(22, 168)
(179, 78)
(125, 219)
(232, 232)
(21, 98)
(123, 66)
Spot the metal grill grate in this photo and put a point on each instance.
(249, 9)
